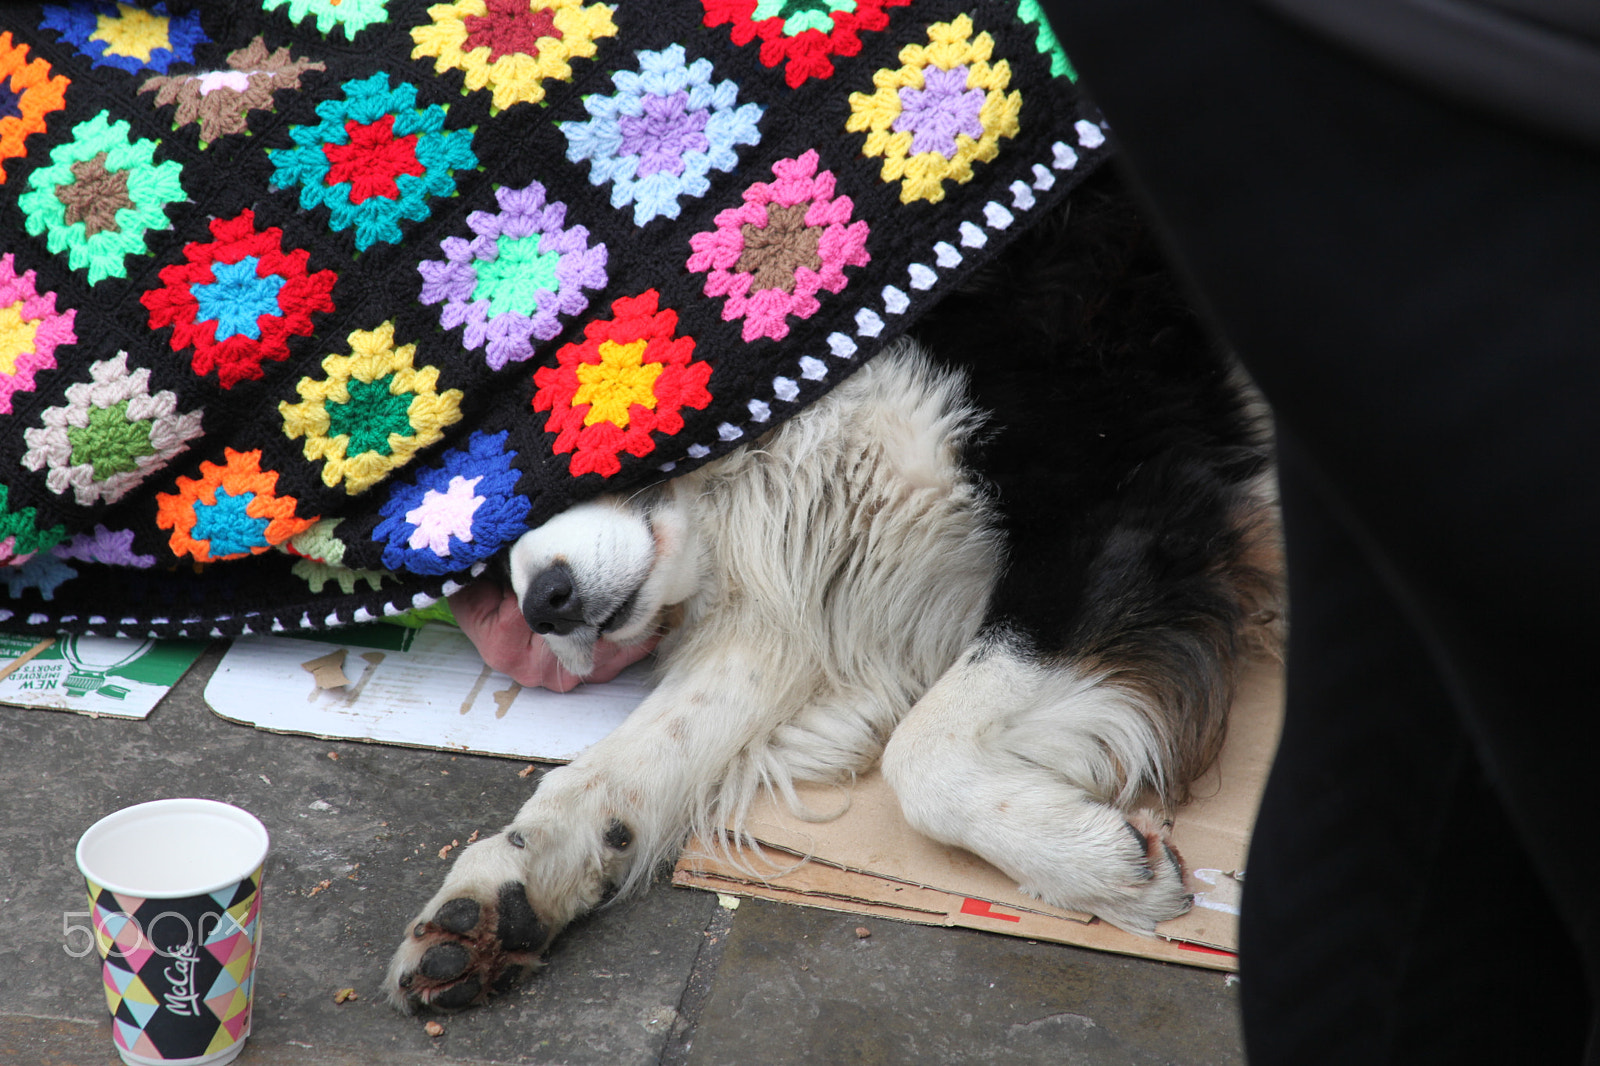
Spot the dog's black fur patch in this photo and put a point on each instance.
(1121, 449)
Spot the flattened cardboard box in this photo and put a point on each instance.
(425, 688)
(869, 861)
(103, 677)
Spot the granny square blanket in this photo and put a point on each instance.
(308, 307)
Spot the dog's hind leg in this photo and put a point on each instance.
(594, 827)
(968, 769)
(1038, 759)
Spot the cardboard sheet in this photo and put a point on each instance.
(430, 690)
(99, 676)
(869, 861)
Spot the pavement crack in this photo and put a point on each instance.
(697, 988)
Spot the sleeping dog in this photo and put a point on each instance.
(1019, 558)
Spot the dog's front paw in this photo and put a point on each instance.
(481, 934)
(468, 948)
(504, 901)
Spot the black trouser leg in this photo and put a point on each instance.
(1416, 287)
(1391, 914)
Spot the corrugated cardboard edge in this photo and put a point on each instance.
(925, 906)
(869, 861)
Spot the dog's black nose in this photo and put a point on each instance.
(552, 603)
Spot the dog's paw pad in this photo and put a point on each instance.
(518, 928)
(459, 916)
(458, 996)
(445, 962)
(468, 950)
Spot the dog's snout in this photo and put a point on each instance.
(552, 603)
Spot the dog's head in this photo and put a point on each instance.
(605, 568)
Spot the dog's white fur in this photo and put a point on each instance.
(829, 583)
(804, 637)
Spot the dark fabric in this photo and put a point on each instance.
(1392, 914)
(1415, 284)
(396, 280)
(1533, 61)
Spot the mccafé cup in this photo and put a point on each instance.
(175, 904)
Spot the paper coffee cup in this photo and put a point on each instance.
(175, 902)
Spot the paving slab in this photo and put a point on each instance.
(355, 854)
(797, 985)
(669, 978)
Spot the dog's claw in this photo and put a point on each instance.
(509, 978)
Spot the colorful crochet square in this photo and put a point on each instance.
(375, 158)
(20, 535)
(521, 272)
(238, 299)
(456, 513)
(661, 133)
(319, 543)
(630, 378)
(124, 36)
(28, 92)
(791, 239)
(110, 547)
(803, 33)
(219, 101)
(30, 331)
(43, 571)
(317, 574)
(229, 511)
(110, 435)
(1032, 12)
(942, 110)
(351, 16)
(100, 195)
(512, 47)
(372, 413)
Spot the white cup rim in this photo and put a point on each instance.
(238, 815)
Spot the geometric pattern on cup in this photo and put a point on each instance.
(178, 974)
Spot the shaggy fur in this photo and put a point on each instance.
(1020, 561)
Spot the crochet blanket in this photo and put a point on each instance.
(308, 307)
